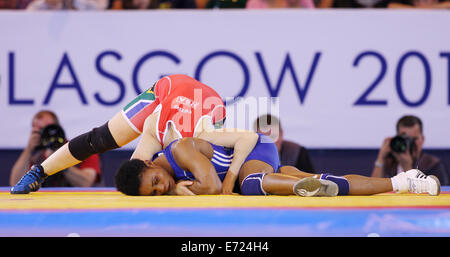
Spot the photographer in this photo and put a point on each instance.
(46, 137)
(404, 152)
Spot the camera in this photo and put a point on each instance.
(402, 143)
(52, 137)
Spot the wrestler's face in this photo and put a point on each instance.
(155, 181)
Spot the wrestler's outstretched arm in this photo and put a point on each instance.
(243, 142)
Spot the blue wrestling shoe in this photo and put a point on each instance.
(31, 181)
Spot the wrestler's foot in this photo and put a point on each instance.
(31, 181)
(315, 187)
(414, 181)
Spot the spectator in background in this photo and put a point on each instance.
(353, 3)
(290, 153)
(383, 4)
(136, 4)
(425, 4)
(39, 147)
(14, 4)
(82, 5)
(263, 4)
(151, 4)
(221, 4)
(390, 161)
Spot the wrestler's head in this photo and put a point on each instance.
(136, 177)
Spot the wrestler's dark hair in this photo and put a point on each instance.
(128, 176)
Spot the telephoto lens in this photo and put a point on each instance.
(401, 143)
(52, 137)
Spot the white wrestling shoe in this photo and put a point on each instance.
(414, 181)
(315, 187)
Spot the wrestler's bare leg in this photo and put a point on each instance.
(63, 159)
(121, 130)
(272, 183)
(293, 171)
(359, 185)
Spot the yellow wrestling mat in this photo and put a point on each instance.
(115, 200)
(106, 212)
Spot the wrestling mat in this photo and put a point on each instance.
(104, 212)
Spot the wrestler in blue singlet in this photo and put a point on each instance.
(264, 150)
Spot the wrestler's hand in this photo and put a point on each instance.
(181, 187)
(228, 183)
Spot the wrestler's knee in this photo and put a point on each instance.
(98, 140)
(252, 184)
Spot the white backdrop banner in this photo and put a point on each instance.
(337, 79)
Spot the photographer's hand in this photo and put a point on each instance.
(33, 141)
(382, 154)
(384, 150)
(404, 159)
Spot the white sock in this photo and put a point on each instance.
(399, 183)
(394, 184)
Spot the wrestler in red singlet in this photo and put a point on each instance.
(181, 101)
